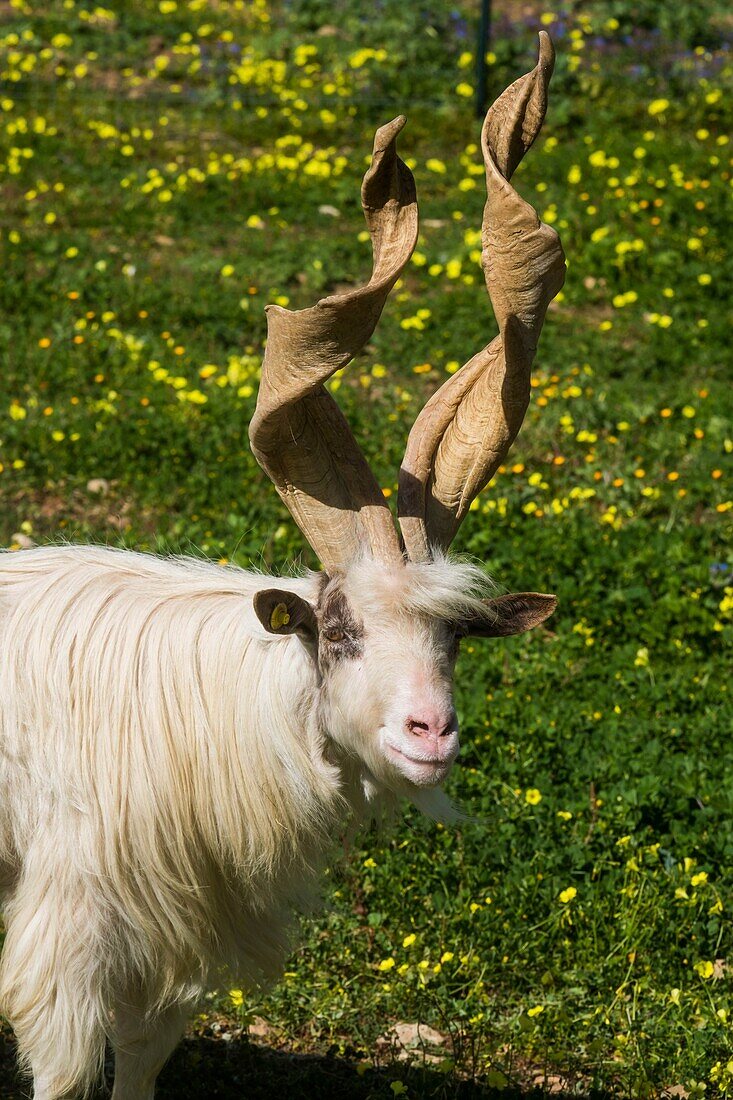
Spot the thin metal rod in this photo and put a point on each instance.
(482, 46)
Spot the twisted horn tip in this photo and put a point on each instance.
(386, 134)
(546, 57)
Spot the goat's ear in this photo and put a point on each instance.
(282, 612)
(510, 614)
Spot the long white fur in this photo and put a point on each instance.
(167, 793)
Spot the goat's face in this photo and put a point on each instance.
(385, 640)
(387, 679)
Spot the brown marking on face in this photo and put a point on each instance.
(452, 641)
(340, 633)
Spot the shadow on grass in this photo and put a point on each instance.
(203, 1068)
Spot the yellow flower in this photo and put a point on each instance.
(357, 59)
(532, 1012)
(409, 940)
(236, 997)
(658, 106)
(568, 894)
(386, 964)
(699, 879)
(705, 968)
(532, 796)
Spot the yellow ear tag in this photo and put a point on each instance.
(279, 616)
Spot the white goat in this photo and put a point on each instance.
(180, 743)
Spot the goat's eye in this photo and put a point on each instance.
(334, 635)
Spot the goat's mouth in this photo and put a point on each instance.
(423, 771)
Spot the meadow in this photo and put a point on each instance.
(166, 169)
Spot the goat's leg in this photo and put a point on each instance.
(49, 988)
(43, 1090)
(142, 1046)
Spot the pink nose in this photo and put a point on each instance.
(432, 724)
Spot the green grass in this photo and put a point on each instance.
(164, 171)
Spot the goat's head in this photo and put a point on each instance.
(385, 639)
(391, 609)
